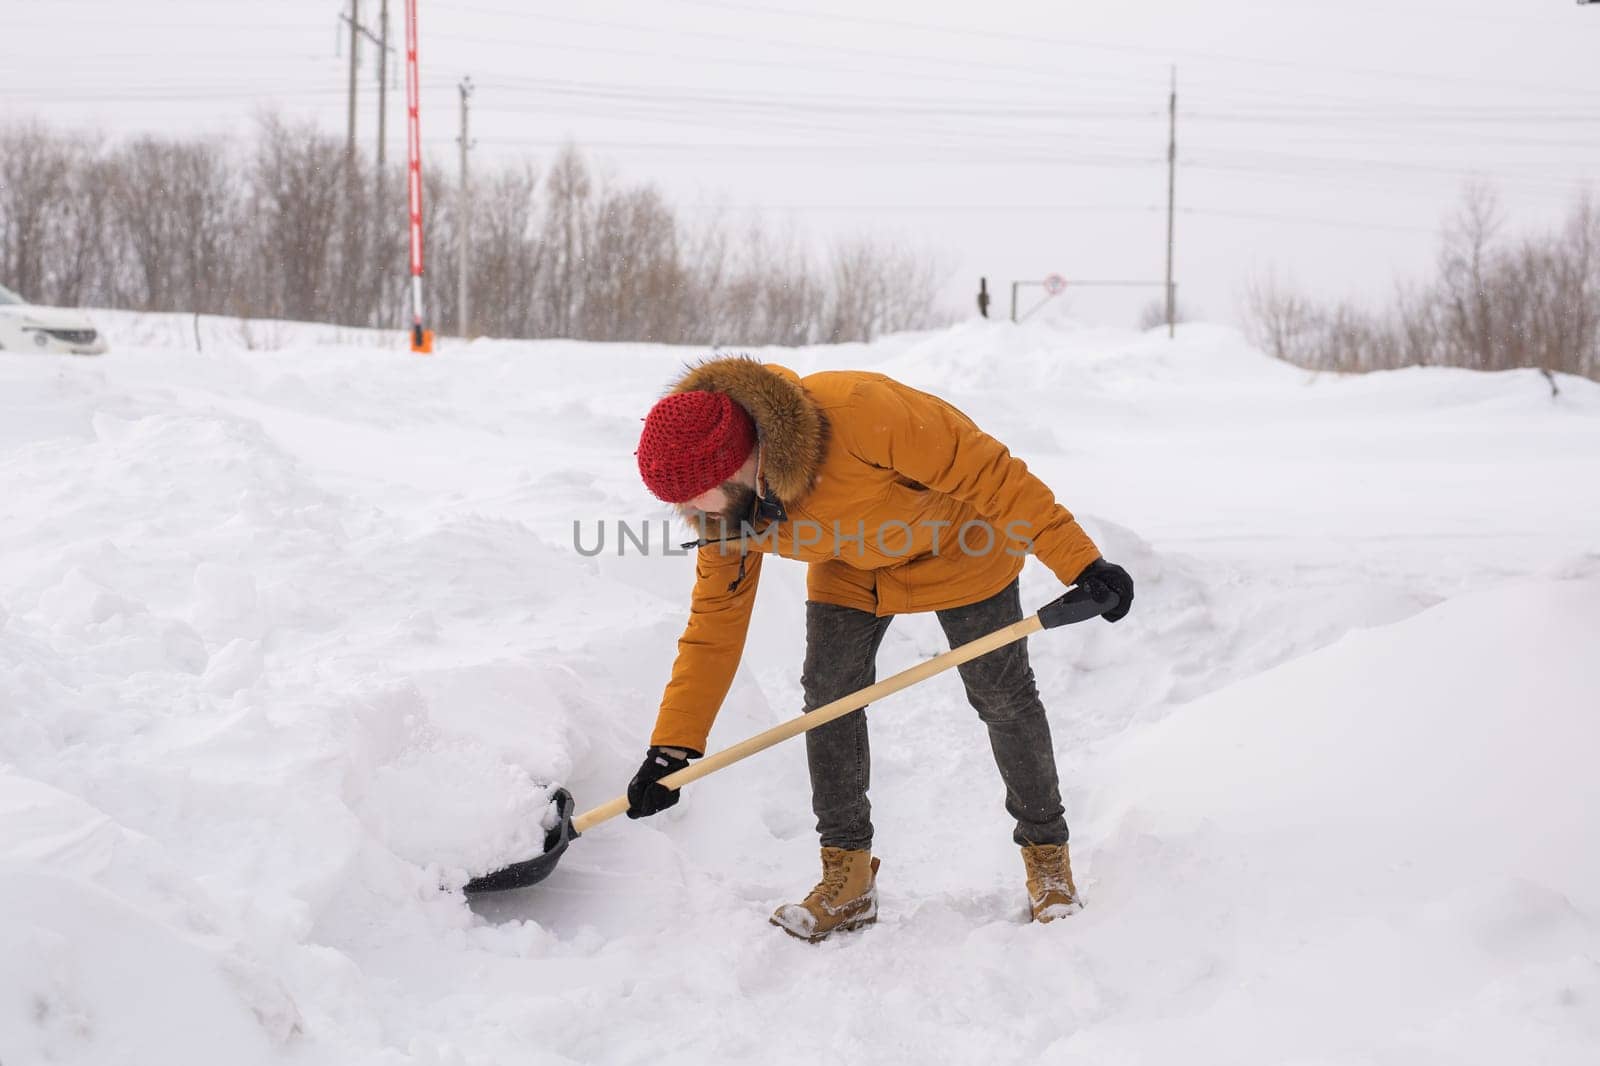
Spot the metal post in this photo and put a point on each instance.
(1172, 181)
(421, 338)
(464, 305)
(1014, 301)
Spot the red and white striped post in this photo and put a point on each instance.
(421, 339)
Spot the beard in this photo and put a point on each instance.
(725, 522)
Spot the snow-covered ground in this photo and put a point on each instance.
(293, 633)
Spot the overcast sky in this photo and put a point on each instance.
(1009, 138)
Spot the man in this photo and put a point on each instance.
(898, 503)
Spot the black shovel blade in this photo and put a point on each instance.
(531, 872)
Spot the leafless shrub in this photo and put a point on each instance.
(1493, 305)
(1281, 322)
(878, 287)
(1154, 313)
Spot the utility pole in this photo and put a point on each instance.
(464, 313)
(1172, 183)
(379, 40)
(355, 61)
(383, 90)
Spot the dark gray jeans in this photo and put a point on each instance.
(841, 657)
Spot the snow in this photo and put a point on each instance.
(294, 639)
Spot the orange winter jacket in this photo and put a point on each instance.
(896, 500)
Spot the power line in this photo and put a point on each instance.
(1163, 53)
(902, 153)
(984, 146)
(1285, 162)
(1346, 179)
(1310, 220)
(1302, 117)
(660, 98)
(184, 95)
(990, 78)
(967, 138)
(984, 208)
(940, 66)
(1046, 207)
(877, 55)
(14, 24)
(821, 103)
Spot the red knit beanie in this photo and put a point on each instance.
(692, 442)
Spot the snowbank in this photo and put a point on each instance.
(292, 641)
(1381, 851)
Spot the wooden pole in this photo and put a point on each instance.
(1172, 182)
(355, 61)
(823, 715)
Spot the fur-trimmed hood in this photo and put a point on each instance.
(792, 429)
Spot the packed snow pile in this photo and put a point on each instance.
(1390, 842)
(296, 635)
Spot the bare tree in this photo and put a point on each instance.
(878, 287)
(296, 200)
(567, 192)
(1492, 306)
(632, 270)
(508, 262)
(177, 214)
(1469, 321)
(86, 260)
(293, 229)
(36, 169)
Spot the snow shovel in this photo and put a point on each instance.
(1075, 605)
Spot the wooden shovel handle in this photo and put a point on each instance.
(1079, 606)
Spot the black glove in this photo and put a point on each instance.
(645, 796)
(1101, 578)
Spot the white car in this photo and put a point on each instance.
(26, 327)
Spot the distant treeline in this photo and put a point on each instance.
(1494, 303)
(290, 228)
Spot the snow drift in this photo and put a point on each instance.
(293, 641)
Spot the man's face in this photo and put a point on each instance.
(723, 507)
(720, 510)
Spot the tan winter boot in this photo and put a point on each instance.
(1051, 892)
(846, 898)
